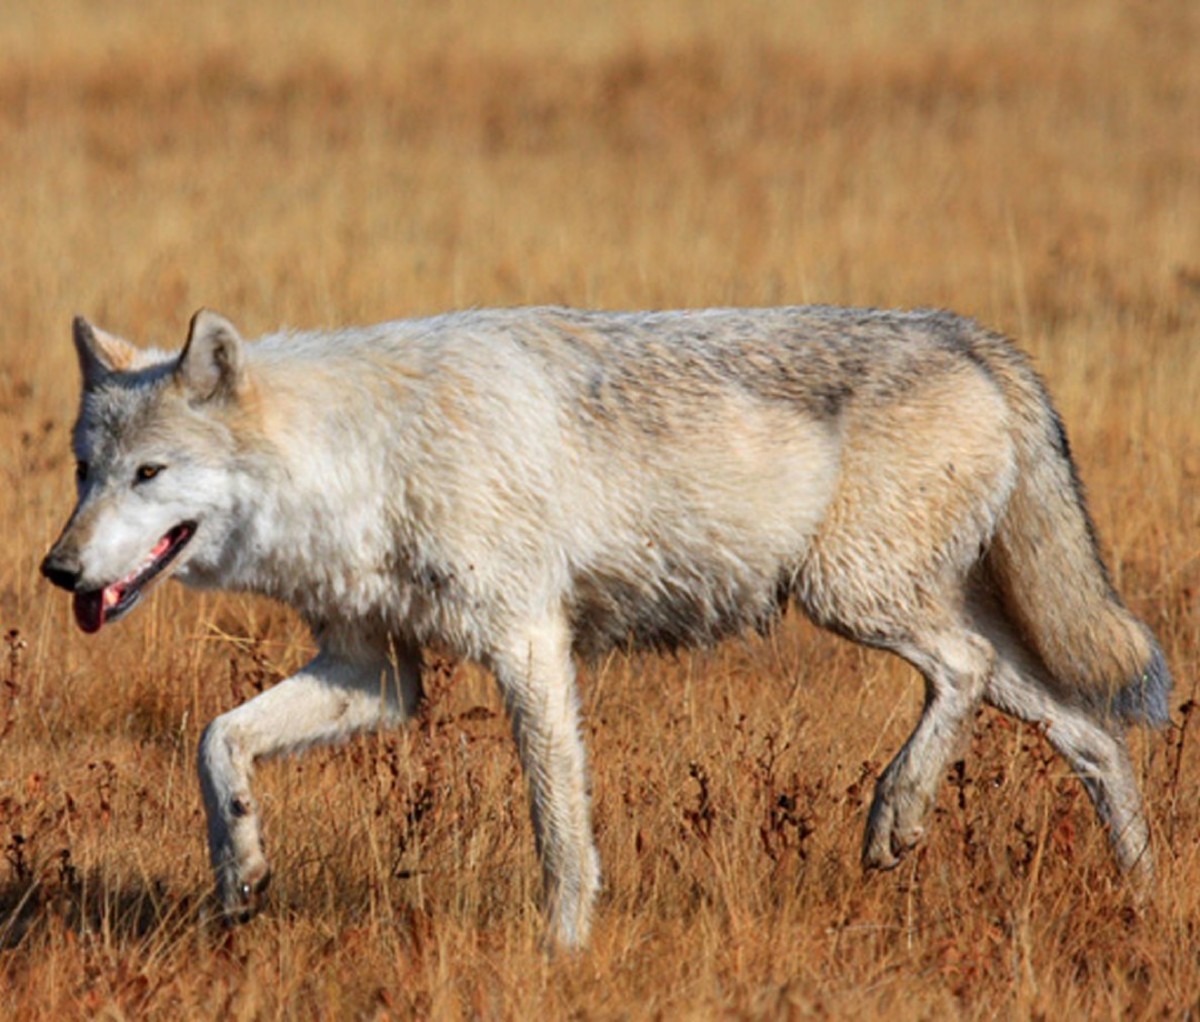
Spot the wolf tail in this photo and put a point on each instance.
(1045, 561)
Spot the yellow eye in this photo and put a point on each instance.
(147, 472)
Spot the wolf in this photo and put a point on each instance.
(522, 487)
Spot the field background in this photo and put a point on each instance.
(1035, 165)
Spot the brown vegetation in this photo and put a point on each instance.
(1036, 165)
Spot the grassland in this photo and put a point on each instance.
(1036, 165)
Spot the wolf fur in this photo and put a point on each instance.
(519, 486)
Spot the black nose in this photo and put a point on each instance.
(61, 570)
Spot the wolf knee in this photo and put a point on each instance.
(224, 778)
(220, 759)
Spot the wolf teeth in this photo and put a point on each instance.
(113, 593)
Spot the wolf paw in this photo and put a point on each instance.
(894, 827)
(243, 898)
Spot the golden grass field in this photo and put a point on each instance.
(1035, 165)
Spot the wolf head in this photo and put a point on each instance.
(153, 446)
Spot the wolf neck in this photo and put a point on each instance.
(320, 479)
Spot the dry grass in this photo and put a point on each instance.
(1037, 165)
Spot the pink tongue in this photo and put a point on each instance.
(89, 610)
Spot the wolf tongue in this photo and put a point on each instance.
(89, 610)
(93, 606)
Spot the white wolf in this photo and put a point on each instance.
(520, 485)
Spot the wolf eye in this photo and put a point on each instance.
(81, 471)
(145, 473)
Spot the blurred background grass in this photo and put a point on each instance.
(307, 164)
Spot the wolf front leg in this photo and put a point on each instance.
(329, 699)
(537, 679)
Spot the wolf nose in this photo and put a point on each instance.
(62, 571)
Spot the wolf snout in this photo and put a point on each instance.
(63, 569)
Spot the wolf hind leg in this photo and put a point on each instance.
(537, 681)
(1092, 744)
(328, 699)
(956, 664)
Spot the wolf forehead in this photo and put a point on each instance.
(133, 411)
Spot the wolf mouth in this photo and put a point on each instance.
(94, 607)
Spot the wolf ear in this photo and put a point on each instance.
(100, 354)
(211, 363)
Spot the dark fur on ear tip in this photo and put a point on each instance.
(100, 354)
